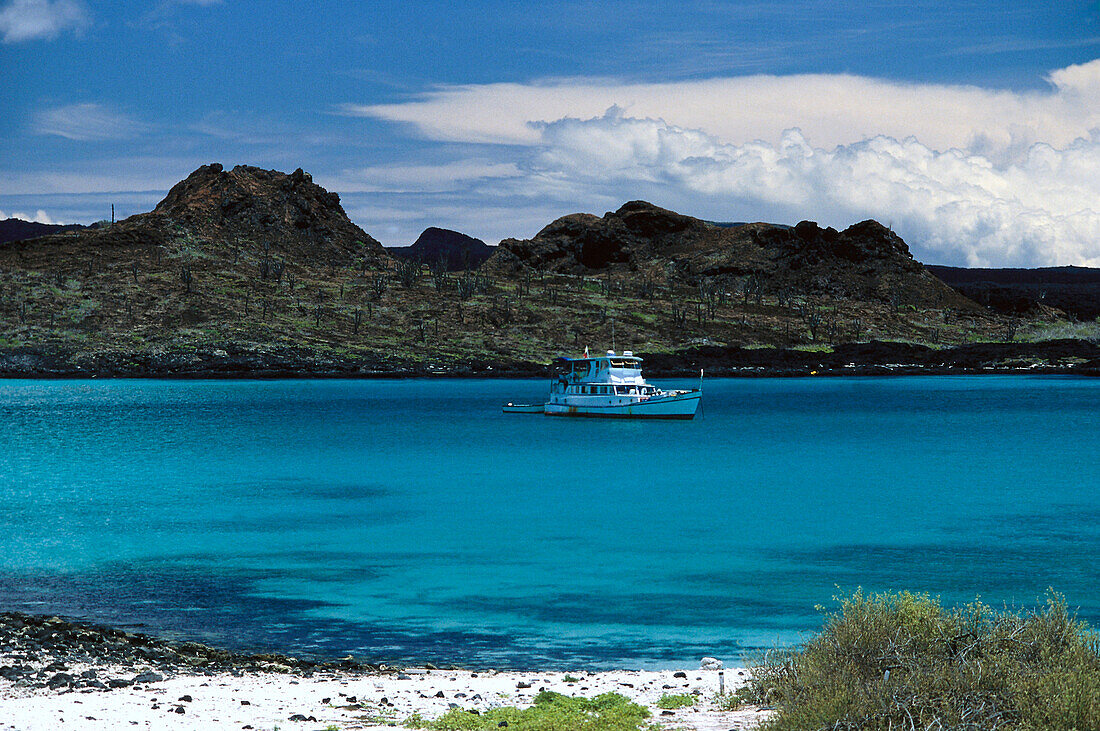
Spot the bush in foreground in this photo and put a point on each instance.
(550, 712)
(903, 661)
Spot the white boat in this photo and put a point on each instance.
(609, 386)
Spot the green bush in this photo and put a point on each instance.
(550, 712)
(672, 702)
(902, 661)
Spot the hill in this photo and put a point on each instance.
(456, 250)
(866, 262)
(259, 271)
(1074, 291)
(16, 229)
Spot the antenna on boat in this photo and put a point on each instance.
(613, 333)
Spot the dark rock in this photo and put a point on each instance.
(679, 674)
(180, 709)
(60, 680)
(148, 677)
(440, 695)
(185, 698)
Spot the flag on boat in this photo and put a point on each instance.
(586, 351)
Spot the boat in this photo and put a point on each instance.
(609, 386)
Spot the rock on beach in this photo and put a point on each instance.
(84, 676)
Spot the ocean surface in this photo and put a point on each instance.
(410, 520)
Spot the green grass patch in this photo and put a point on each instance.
(550, 712)
(672, 702)
(901, 660)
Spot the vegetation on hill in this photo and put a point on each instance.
(904, 661)
(261, 262)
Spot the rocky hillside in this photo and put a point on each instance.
(291, 212)
(865, 262)
(456, 250)
(258, 272)
(222, 213)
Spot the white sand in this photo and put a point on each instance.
(266, 701)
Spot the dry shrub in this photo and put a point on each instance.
(902, 661)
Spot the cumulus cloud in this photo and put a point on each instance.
(25, 20)
(967, 175)
(39, 216)
(953, 206)
(87, 122)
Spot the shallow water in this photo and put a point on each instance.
(411, 520)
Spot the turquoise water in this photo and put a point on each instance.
(411, 520)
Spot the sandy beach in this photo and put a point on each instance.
(55, 674)
(286, 701)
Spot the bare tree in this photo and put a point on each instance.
(408, 272)
(812, 317)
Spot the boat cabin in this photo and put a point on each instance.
(608, 375)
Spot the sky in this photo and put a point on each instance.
(971, 128)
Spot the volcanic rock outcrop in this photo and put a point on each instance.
(866, 261)
(246, 207)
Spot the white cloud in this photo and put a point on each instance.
(39, 216)
(101, 176)
(87, 122)
(830, 109)
(25, 20)
(952, 206)
(967, 175)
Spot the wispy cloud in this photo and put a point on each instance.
(829, 108)
(87, 122)
(159, 16)
(425, 178)
(25, 20)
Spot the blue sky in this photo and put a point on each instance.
(971, 127)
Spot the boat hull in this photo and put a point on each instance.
(680, 406)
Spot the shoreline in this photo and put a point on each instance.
(249, 362)
(55, 673)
